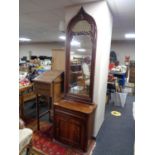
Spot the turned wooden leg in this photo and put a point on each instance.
(37, 111)
(50, 108)
(21, 106)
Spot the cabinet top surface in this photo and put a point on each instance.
(76, 106)
(48, 77)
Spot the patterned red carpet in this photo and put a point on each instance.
(44, 144)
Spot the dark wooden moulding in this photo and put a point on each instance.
(82, 15)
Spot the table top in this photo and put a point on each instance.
(48, 77)
(24, 88)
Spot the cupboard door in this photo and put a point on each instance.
(76, 128)
(69, 130)
(61, 128)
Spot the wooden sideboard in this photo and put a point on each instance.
(73, 123)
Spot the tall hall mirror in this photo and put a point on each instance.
(80, 57)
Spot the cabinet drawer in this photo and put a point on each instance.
(66, 112)
(43, 89)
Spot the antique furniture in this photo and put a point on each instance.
(26, 94)
(74, 113)
(81, 42)
(48, 84)
(73, 123)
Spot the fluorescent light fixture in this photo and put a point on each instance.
(130, 36)
(62, 37)
(81, 50)
(75, 43)
(72, 52)
(24, 39)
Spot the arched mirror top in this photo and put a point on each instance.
(81, 26)
(80, 58)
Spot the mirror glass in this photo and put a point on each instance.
(80, 59)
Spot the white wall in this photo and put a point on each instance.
(122, 49)
(100, 12)
(38, 49)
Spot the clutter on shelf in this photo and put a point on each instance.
(24, 82)
(30, 69)
(35, 66)
(120, 68)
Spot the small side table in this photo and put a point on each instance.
(48, 84)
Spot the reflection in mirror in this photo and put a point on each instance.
(80, 59)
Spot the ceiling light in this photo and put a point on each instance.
(24, 39)
(72, 52)
(130, 36)
(81, 50)
(75, 43)
(62, 37)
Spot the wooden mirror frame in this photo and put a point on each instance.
(81, 15)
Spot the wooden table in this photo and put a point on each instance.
(22, 90)
(48, 84)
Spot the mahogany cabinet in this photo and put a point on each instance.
(74, 114)
(73, 123)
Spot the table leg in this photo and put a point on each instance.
(22, 106)
(37, 110)
(50, 108)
